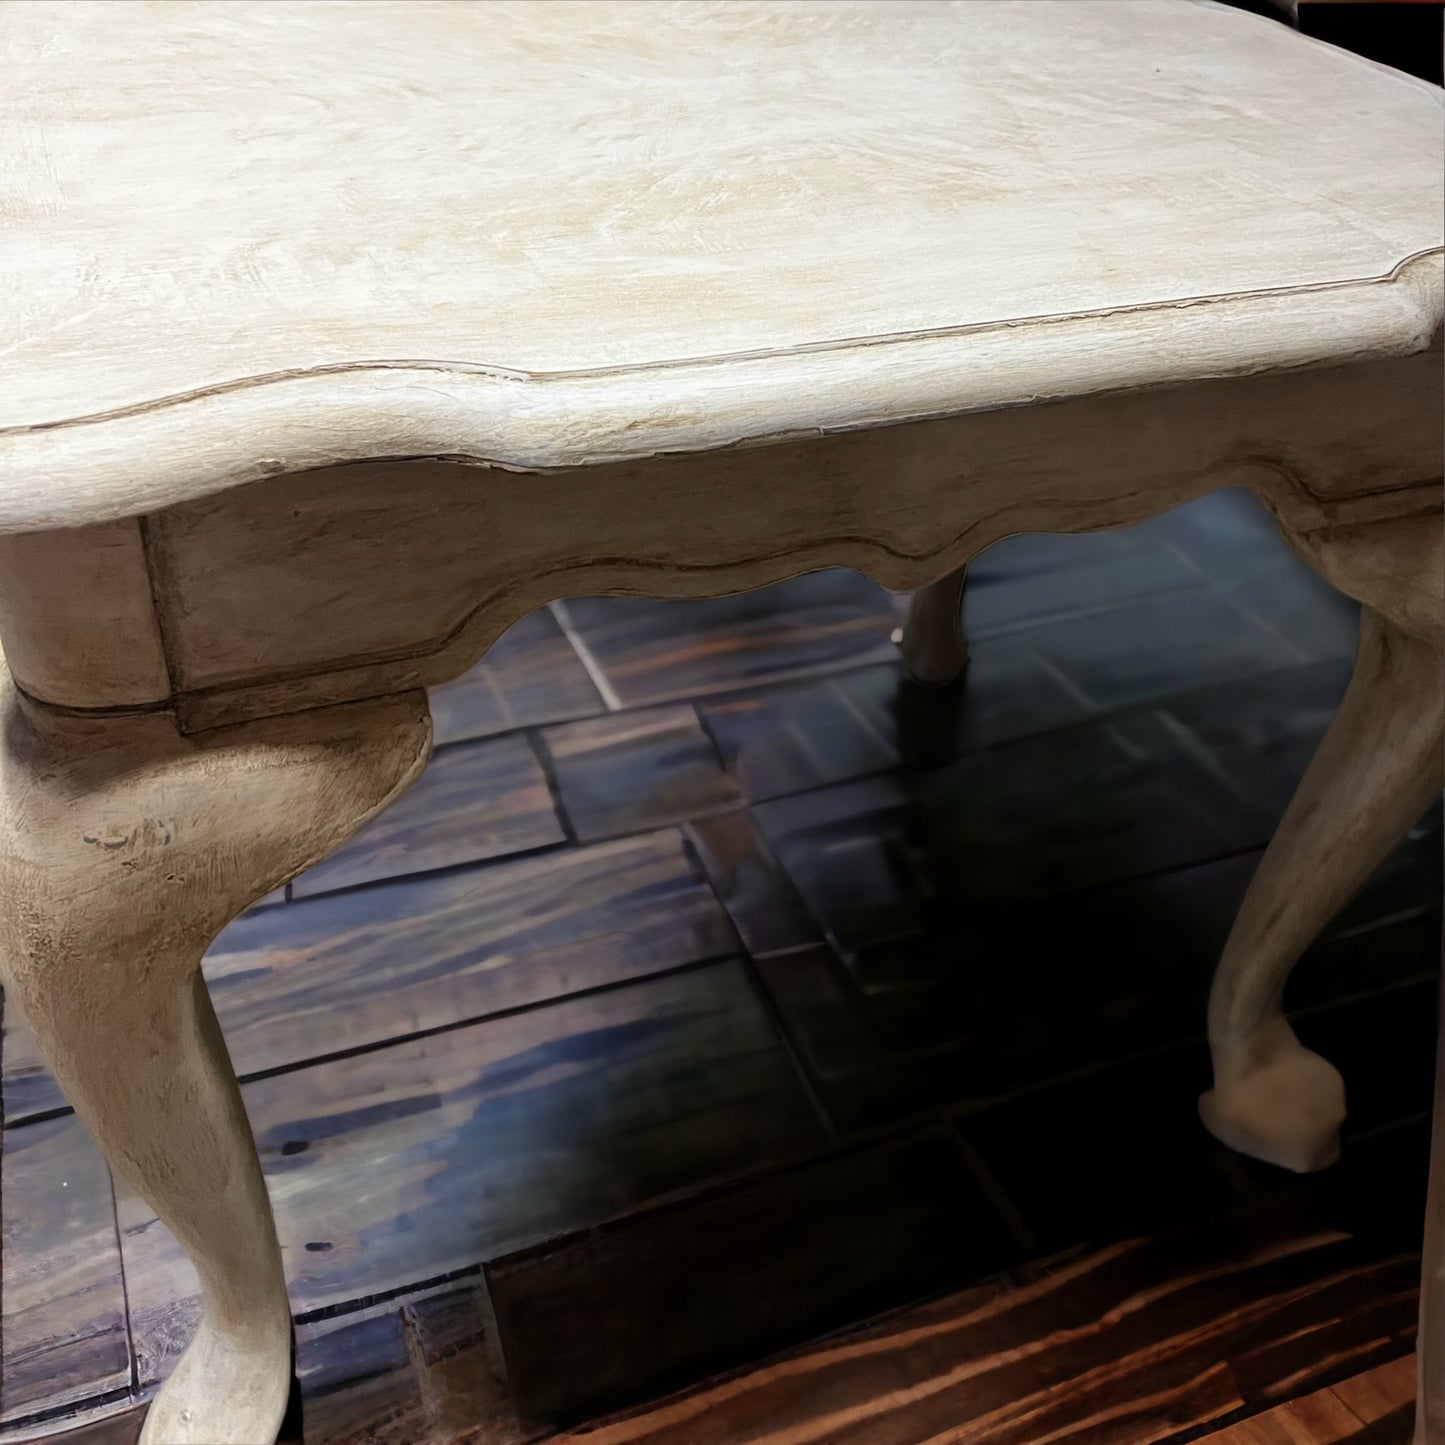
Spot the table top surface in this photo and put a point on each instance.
(546, 234)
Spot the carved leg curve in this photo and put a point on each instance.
(124, 849)
(935, 650)
(1375, 772)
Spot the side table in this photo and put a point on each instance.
(338, 337)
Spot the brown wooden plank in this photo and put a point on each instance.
(327, 974)
(1319, 1419)
(1376, 1393)
(630, 771)
(118, 1423)
(63, 1334)
(1375, 1407)
(766, 909)
(802, 735)
(474, 801)
(408, 1371)
(1125, 1345)
(860, 1082)
(359, 1381)
(668, 1294)
(397, 1166)
(653, 651)
(455, 1365)
(530, 675)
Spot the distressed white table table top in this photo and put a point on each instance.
(550, 233)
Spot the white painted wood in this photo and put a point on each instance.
(406, 572)
(78, 617)
(239, 239)
(124, 850)
(666, 298)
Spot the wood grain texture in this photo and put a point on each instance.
(1342, 1414)
(334, 974)
(1352, 443)
(429, 1156)
(125, 844)
(530, 675)
(802, 627)
(737, 1274)
(63, 1329)
(79, 618)
(762, 902)
(959, 166)
(803, 735)
(636, 770)
(1094, 1348)
(475, 801)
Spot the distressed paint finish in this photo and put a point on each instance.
(387, 329)
(368, 238)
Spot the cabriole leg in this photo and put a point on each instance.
(124, 849)
(1376, 771)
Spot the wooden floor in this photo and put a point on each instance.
(715, 993)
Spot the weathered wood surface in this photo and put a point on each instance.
(1145, 937)
(637, 770)
(331, 975)
(356, 465)
(423, 1158)
(125, 848)
(1115, 1360)
(1373, 1408)
(476, 800)
(970, 174)
(63, 1328)
(451, 565)
(737, 1274)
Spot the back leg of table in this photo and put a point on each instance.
(934, 648)
(1373, 776)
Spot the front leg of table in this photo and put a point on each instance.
(124, 849)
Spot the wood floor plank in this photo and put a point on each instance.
(1376, 1393)
(653, 651)
(1375, 1407)
(398, 1166)
(760, 898)
(114, 1424)
(861, 1083)
(1157, 647)
(358, 1380)
(474, 801)
(703, 1285)
(801, 735)
(328, 974)
(630, 771)
(1005, 694)
(1320, 1419)
(531, 675)
(63, 1333)
(1026, 582)
(357, 969)
(408, 1371)
(1126, 1346)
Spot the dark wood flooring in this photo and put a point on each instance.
(721, 1014)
